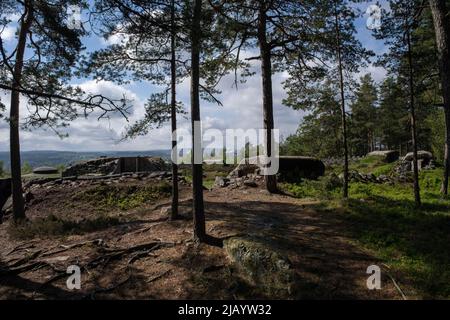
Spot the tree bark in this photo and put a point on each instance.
(266, 73)
(441, 22)
(343, 112)
(417, 199)
(173, 111)
(197, 169)
(16, 174)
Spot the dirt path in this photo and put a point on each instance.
(171, 266)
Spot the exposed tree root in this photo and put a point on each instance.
(159, 276)
(98, 242)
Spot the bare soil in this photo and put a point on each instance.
(142, 255)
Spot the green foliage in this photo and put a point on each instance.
(323, 120)
(123, 197)
(364, 117)
(325, 188)
(414, 242)
(436, 123)
(385, 170)
(27, 168)
(60, 168)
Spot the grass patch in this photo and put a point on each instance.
(55, 226)
(210, 172)
(123, 197)
(415, 243)
(367, 164)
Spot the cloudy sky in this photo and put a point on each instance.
(242, 108)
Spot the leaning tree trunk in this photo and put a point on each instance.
(343, 112)
(441, 21)
(173, 111)
(16, 175)
(266, 73)
(197, 170)
(413, 122)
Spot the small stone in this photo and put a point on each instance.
(250, 183)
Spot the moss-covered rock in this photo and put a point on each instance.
(261, 265)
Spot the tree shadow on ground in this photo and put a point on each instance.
(326, 264)
(416, 239)
(13, 286)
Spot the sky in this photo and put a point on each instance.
(242, 107)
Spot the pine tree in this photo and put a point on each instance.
(323, 119)
(39, 67)
(364, 116)
(441, 18)
(335, 50)
(398, 26)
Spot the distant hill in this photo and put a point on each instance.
(54, 158)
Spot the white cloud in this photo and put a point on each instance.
(8, 33)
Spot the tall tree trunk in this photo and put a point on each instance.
(197, 169)
(16, 175)
(266, 73)
(413, 121)
(343, 112)
(173, 111)
(441, 21)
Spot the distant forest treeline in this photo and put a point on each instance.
(56, 158)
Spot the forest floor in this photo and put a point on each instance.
(126, 248)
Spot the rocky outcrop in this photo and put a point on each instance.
(261, 265)
(290, 168)
(293, 169)
(110, 166)
(45, 170)
(248, 181)
(421, 155)
(387, 156)
(425, 161)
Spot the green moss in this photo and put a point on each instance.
(262, 265)
(414, 242)
(123, 197)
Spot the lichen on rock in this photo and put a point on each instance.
(263, 266)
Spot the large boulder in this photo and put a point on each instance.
(45, 170)
(421, 155)
(296, 168)
(387, 156)
(290, 168)
(262, 265)
(246, 167)
(110, 166)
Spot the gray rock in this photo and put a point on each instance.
(262, 265)
(250, 183)
(388, 156)
(421, 155)
(45, 170)
(221, 182)
(8, 206)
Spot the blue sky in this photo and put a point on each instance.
(242, 108)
